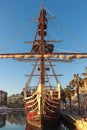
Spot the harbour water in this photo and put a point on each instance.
(17, 121)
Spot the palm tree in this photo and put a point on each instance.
(85, 92)
(63, 97)
(68, 92)
(85, 74)
(85, 80)
(77, 82)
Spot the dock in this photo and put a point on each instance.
(16, 109)
(77, 122)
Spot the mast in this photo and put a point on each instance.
(42, 33)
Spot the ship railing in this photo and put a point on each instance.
(51, 101)
(32, 105)
(30, 101)
(52, 105)
(30, 97)
(49, 109)
(52, 98)
(36, 108)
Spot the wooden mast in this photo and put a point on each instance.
(42, 33)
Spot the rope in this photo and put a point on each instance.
(15, 37)
(58, 25)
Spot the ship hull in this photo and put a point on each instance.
(45, 121)
(46, 114)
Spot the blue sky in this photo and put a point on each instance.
(16, 27)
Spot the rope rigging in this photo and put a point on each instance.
(68, 33)
(15, 37)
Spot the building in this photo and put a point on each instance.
(3, 98)
(15, 101)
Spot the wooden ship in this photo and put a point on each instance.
(43, 103)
